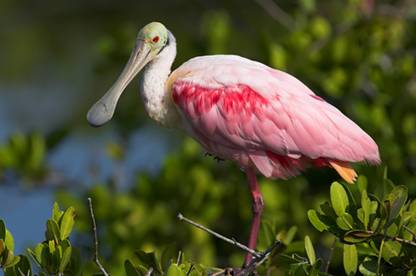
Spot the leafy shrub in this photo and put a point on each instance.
(377, 237)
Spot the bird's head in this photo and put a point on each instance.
(150, 41)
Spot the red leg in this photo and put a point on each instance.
(257, 206)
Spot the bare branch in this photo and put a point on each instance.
(179, 259)
(402, 240)
(232, 241)
(258, 258)
(395, 238)
(257, 261)
(277, 13)
(94, 228)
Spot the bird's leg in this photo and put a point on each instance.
(257, 208)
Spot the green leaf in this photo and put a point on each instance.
(267, 234)
(9, 241)
(168, 256)
(350, 259)
(67, 222)
(21, 268)
(130, 269)
(392, 230)
(18, 143)
(24, 265)
(2, 247)
(395, 201)
(361, 183)
(290, 235)
(327, 210)
(310, 251)
(316, 222)
(366, 209)
(339, 198)
(66, 257)
(2, 230)
(412, 207)
(368, 267)
(356, 236)
(345, 222)
(37, 253)
(11, 261)
(148, 260)
(174, 270)
(391, 249)
(56, 212)
(37, 153)
(52, 231)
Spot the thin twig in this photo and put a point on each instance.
(232, 241)
(190, 270)
(277, 13)
(94, 228)
(402, 240)
(394, 238)
(179, 259)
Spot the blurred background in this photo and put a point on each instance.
(58, 58)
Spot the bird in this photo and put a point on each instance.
(265, 120)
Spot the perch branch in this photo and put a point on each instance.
(257, 261)
(94, 228)
(232, 241)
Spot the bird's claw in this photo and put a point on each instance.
(216, 158)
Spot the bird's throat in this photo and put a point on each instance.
(154, 92)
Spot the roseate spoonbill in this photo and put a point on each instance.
(238, 109)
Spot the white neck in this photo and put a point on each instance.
(157, 101)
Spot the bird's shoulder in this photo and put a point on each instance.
(215, 71)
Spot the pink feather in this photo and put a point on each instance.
(245, 111)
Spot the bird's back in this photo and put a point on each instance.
(262, 116)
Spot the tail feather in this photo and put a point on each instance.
(344, 170)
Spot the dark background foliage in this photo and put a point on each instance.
(57, 58)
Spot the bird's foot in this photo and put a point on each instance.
(216, 158)
(234, 272)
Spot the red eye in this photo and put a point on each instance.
(155, 39)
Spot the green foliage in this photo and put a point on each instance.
(310, 251)
(379, 231)
(385, 246)
(25, 155)
(12, 265)
(350, 259)
(361, 60)
(56, 255)
(170, 263)
(7, 257)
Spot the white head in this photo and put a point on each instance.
(150, 41)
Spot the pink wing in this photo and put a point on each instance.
(246, 111)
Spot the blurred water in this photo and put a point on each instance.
(53, 92)
(73, 158)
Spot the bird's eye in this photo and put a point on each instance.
(155, 39)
